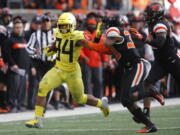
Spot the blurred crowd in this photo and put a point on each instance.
(21, 71)
(63, 4)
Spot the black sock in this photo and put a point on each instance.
(142, 117)
(146, 111)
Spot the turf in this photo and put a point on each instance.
(167, 120)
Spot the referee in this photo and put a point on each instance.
(38, 40)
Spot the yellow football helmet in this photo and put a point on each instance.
(66, 23)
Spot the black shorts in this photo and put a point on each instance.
(159, 70)
(133, 78)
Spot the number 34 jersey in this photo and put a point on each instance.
(68, 53)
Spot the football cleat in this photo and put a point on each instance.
(159, 97)
(105, 106)
(36, 123)
(147, 129)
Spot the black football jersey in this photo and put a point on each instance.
(168, 49)
(127, 49)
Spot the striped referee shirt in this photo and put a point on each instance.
(40, 39)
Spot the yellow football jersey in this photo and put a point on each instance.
(68, 53)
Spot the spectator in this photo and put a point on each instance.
(61, 4)
(114, 4)
(19, 63)
(92, 62)
(33, 82)
(62, 96)
(3, 91)
(5, 19)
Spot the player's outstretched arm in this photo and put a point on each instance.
(99, 47)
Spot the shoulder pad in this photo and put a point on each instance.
(55, 31)
(77, 35)
(159, 27)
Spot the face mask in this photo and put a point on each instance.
(63, 31)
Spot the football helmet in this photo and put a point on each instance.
(66, 23)
(123, 20)
(154, 12)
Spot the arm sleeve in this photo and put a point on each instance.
(158, 42)
(99, 47)
(31, 44)
(8, 53)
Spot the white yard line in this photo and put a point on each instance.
(76, 111)
(81, 130)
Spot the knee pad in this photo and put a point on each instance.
(81, 100)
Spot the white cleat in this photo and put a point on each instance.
(105, 107)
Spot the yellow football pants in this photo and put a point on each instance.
(55, 77)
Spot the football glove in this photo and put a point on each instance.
(135, 33)
(99, 30)
(50, 50)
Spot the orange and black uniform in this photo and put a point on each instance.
(16, 54)
(136, 69)
(167, 57)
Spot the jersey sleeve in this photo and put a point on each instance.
(99, 47)
(158, 28)
(55, 32)
(78, 35)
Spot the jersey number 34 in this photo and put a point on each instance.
(63, 49)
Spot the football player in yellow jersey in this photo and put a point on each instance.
(67, 69)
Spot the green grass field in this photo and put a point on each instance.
(167, 120)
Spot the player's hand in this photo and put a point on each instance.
(50, 48)
(99, 30)
(86, 59)
(148, 39)
(136, 33)
(37, 51)
(33, 71)
(15, 68)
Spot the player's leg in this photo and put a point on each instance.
(131, 85)
(51, 80)
(76, 88)
(174, 70)
(138, 77)
(134, 109)
(156, 73)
